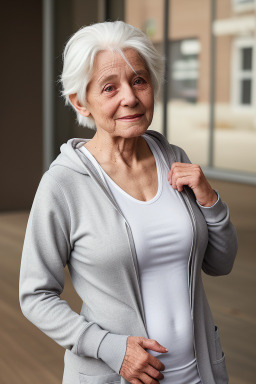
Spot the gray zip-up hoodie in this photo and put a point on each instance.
(75, 221)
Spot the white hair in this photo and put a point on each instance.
(81, 49)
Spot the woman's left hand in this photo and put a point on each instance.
(181, 174)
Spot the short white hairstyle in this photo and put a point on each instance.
(81, 49)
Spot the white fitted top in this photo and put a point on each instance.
(162, 233)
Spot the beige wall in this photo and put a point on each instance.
(223, 54)
(138, 11)
(223, 69)
(223, 9)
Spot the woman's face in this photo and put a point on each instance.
(120, 101)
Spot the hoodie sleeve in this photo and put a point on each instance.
(222, 237)
(222, 244)
(45, 253)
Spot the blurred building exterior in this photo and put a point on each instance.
(190, 65)
(211, 99)
(189, 29)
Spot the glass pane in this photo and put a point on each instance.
(189, 86)
(235, 123)
(246, 86)
(246, 58)
(148, 16)
(184, 70)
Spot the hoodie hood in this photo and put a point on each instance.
(70, 156)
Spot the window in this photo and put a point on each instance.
(246, 76)
(243, 72)
(184, 71)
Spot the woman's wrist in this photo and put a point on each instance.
(210, 201)
(112, 350)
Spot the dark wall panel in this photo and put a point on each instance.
(21, 102)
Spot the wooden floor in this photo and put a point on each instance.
(27, 356)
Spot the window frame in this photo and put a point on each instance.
(237, 74)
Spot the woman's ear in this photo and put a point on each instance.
(80, 108)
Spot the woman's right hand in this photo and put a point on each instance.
(139, 365)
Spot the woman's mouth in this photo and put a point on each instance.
(134, 117)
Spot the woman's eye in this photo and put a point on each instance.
(139, 81)
(109, 88)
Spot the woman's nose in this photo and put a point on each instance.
(129, 98)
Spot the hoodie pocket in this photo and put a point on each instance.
(110, 378)
(219, 365)
(218, 347)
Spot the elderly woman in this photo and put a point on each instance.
(134, 221)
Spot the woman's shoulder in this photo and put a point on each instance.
(49, 186)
